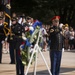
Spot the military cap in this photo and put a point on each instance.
(14, 19)
(1, 17)
(23, 16)
(28, 18)
(55, 18)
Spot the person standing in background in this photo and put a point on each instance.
(2, 36)
(44, 34)
(71, 38)
(66, 35)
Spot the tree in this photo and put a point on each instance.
(44, 10)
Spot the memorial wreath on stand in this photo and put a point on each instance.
(30, 39)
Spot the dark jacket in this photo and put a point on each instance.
(2, 34)
(56, 38)
(16, 32)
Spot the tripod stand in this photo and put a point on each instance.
(36, 49)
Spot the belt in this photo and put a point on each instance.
(18, 36)
(12, 38)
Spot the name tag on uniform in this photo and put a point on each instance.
(51, 30)
(56, 30)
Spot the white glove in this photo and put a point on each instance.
(2, 42)
(31, 28)
(21, 47)
(6, 39)
(24, 38)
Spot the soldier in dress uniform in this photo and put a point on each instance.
(11, 41)
(2, 36)
(16, 34)
(56, 37)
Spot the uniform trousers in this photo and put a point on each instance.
(55, 57)
(19, 65)
(0, 52)
(11, 50)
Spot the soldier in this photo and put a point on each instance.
(11, 41)
(56, 45)
(16, 33)
(2, 36)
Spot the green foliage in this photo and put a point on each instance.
(44, 10)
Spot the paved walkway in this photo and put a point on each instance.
(67, 65)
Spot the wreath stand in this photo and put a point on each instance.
(36, 49)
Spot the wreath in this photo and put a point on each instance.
(30, 39)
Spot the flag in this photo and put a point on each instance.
(37, 23)
(7, 7)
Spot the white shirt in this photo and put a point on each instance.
(71, 35)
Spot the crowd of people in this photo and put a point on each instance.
(69, 41)
(55, 36)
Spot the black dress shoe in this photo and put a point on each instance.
(20, 74)
(12, 62)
